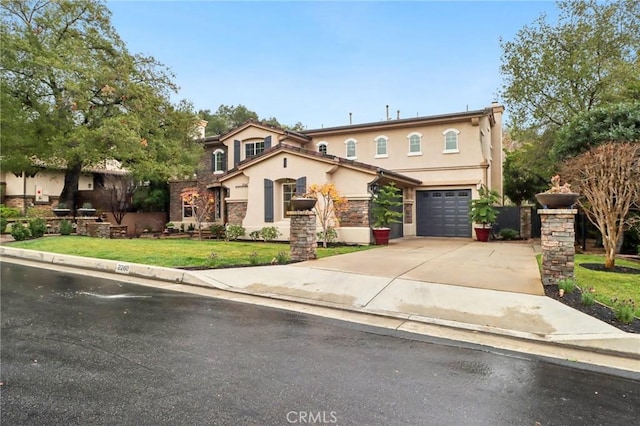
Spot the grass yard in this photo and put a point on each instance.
(173, 253)
(607, 285)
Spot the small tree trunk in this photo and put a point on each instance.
(69, 193)
(610, 257)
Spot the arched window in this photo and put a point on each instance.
(451, 140)
(218, 161)
(351, 148)
(381, 146)
(322, 147)
(415, 143)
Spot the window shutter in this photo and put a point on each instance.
(301, 185)
(213, 162)
(268, 200)
(267, 142)
(236, 152)
(224, 161)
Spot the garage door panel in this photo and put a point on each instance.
(443, 213)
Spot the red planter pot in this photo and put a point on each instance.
(381, 236)
(483, 234)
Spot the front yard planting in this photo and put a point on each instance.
(174, 253)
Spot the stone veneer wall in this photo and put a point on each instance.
(408, 213)
(354, 213)
(525, 222)
(175, 189)
(97, 229)
(558, 244)
(236, 211)
(303, 237)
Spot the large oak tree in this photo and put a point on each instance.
(76, 97)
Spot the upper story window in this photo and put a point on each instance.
(217, 161)
(381, 146)
(415, 143)
(451, 140)
(351, 148)
(322, 147)
(253, 148)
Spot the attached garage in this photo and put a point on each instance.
(443, 213)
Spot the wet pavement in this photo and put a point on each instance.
(82, 350)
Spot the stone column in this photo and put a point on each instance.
(558, 244)
(304, 240)
(525, 222)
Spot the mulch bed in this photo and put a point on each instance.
(597, 310)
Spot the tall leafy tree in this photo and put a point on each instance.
(228, 117)
(84, 100)
(590, 57)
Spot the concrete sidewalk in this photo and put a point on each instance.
(398, 282)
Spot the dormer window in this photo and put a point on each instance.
(322, 147)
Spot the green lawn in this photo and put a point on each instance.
(173, 252)
(608, 285)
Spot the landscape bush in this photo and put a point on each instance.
(509, 234)
(269, 233)
(234, 232)
(624, 310)
(65, 227)
(20, 232)
(218, 231)
(567, 284)
(38, 227)
(3, 224)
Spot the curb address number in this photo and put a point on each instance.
(123, 268)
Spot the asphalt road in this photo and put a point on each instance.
(81, 350)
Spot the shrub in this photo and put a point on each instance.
(269, 233)
(3, 224)
(509, 234)
(255, 235)
(234, 232)
(20, 232)
(624, 310)
(567, 284)
(212, 260)
(217, 231)
(282, 257)
(253, 258)
(36, 212)
(329, 236)
(587, 297)
(65, 227)
(191, 227)
(8, 212)
(38, 227)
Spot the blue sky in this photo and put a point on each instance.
(315, 62)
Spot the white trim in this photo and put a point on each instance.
(419, 135)
(355, 144)
(215, 161)
(457, 149)
(323, 143)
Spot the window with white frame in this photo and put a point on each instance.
(451, 140)
(253, 148)
(187, 210)
(218, 161)
(322, 147)
(381, 146)
(351, 148)
(415, 143)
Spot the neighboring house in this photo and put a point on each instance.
(439, 162)
(43, 188)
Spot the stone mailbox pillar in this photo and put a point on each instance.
(558, 244)
(304, 240)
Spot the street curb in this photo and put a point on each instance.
(178, 276)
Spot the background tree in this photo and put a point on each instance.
(618, 122)
(329, 204)
(608, 180)
(522, 179)
(120, 190)
(85, 99)
(590, 57)
(228, 117)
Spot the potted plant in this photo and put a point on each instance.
(384, 212)
(483, 213)
(61, 210)
(87, 210)
(169, 227)
(557, 196)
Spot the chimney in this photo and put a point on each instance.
(200, 129)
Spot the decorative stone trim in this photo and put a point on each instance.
(236, 211)
(525, 222)
(558, 244)
(302, 234)
(98, 229)
(354, 213)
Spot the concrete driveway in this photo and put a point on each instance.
(503, 266)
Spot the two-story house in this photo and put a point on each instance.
(439, 162)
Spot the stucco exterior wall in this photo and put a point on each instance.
(50, 181)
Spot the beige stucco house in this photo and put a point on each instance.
(439, 162)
